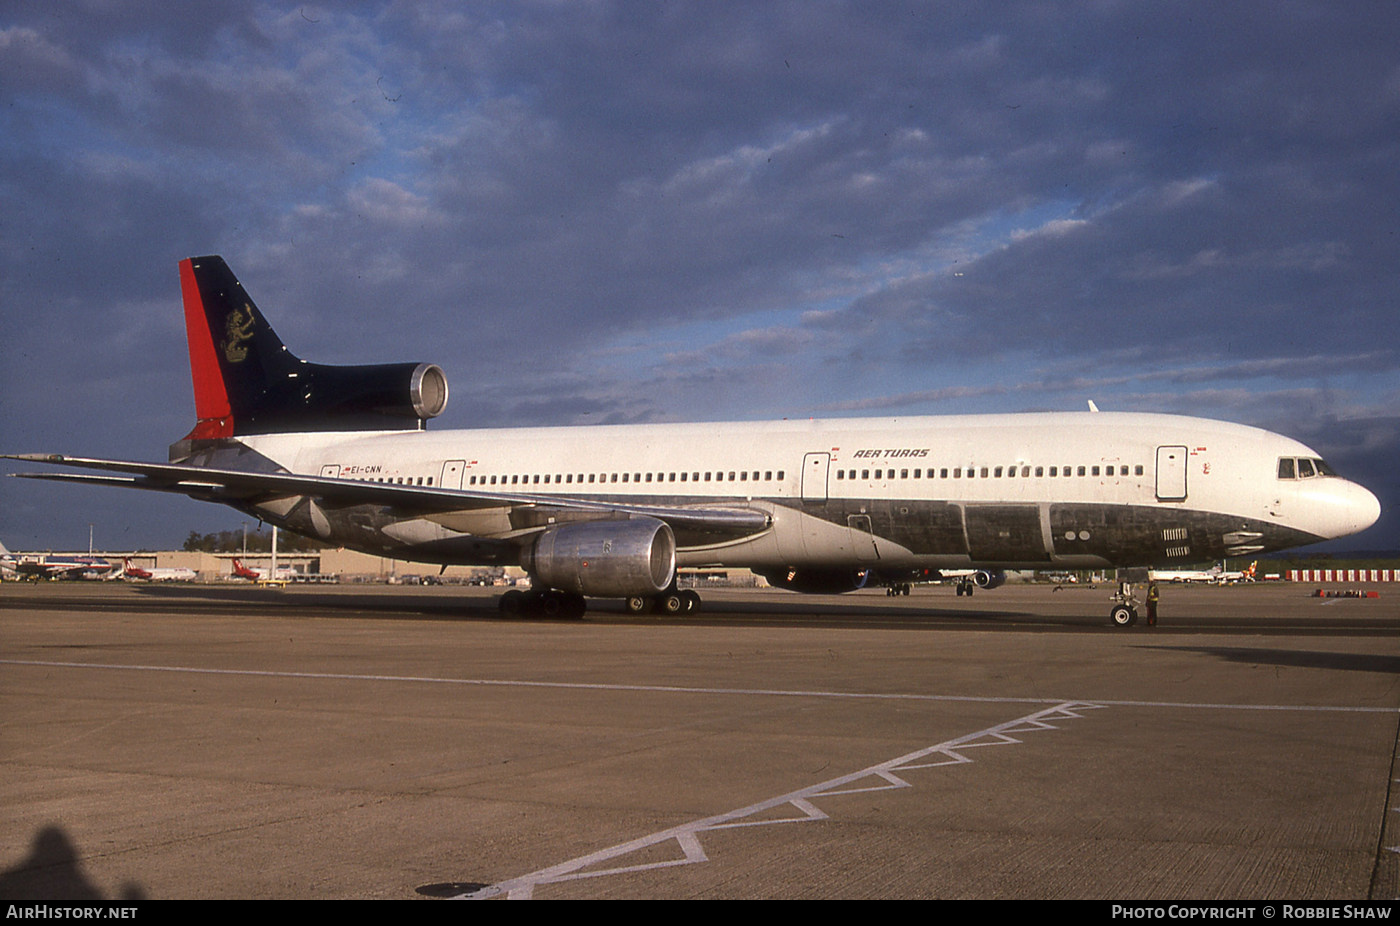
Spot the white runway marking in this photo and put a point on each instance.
(682, 689)
(687, 835)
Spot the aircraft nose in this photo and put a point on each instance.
(1343, 507)
(1367, 508)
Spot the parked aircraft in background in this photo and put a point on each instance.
(53, 565)
(254, 573)
(1216, 575)
(341, 453)
(964, 580)
(170, 574)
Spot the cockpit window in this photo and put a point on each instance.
(1303, 468)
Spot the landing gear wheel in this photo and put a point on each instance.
(690, 601)
(512, 603)
(669, 603)
(1123, 616)
(636, 605)
(556, 603)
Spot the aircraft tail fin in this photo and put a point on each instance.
(246, 381)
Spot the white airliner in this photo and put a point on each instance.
(1216, 575)
(53, 566)
(341, 453)
(255, 573)
(168, 574)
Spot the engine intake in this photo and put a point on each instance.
(606, 559)
(989, 578)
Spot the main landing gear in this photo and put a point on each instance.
(548, 603)
(552, 602)
(901, 588)
(669, 602)
(965, 587)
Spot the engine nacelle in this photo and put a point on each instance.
(606, 559)
(818, 581)
(396, 390)
(320, 397)
(989, 578)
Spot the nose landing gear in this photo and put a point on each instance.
(1124, 611)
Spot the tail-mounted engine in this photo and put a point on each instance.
(605, 559)
(246, 381)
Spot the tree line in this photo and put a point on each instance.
(259, 541)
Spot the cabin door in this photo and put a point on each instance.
(452, 473)
(814, 472)
(1171, 474)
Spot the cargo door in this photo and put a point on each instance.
(862, 537)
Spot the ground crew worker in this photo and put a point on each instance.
(1152, 596)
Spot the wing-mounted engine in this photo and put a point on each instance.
(818, 581)
(989, 578)
(613, 558)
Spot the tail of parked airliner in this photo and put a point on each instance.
(246, 381)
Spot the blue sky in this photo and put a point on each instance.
(632, 212)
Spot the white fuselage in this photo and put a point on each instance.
(1068, 489)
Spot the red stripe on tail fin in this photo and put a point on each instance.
(211, 404)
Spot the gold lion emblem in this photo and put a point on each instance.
(238, 331)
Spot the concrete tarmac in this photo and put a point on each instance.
(372, 742)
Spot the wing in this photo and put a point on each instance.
(717, 522)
